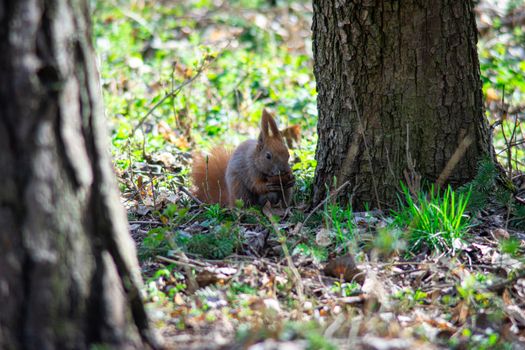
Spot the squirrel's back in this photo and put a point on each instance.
(208, 174)
(241, 174)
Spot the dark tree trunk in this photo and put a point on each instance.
(69, 277)
(399, 92)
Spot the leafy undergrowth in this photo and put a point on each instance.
(444, 270)
(440, 272)
(234, 279)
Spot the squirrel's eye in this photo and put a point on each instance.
(268, 155)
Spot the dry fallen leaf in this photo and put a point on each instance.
(492, 95)
(323, 237)
(205, 278)
(178, 300)
(344, 267)
(460, 313)
(500, 234)
(375, 289)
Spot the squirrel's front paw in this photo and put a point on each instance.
(273, 187)
(281, 181)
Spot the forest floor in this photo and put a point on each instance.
(274, 294)
(183, 76)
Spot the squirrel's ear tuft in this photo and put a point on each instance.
(268, 126)
(265, 125)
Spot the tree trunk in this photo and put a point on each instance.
(69, 277)
(399, 96)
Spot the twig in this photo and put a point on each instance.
(335, 325)
(453, 161)
(151, 178)
(405, 272)
(187, 266)
(401, 263)
(291, 265)
(334, 193)
(189, 194)
(198, 263)
(144, 222)
(295, 272)
(513, 138)
(263, 260)
(519, 200)
(178, 262)
(512, 144)
(509, 149)
(161, 101)
(174, 92)
(131, 177)
(233, 90)
(135, 17)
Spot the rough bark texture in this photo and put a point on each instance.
(398, 83)
(69, 276)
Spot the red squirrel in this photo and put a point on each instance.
(256, 172)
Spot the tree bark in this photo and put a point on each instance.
(399, 96)
(69, 276)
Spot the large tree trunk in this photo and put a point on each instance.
(399, 91)
(69, 276)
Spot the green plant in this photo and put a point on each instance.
(408, 298)
(482, 185)
(434, 220)
(217, 244)
(510, 246)
(173, 215)
(214, 214)
(318, 253)
(490, 185)
(472, 291)
(346, 289)
(158, 241)
(242, 288)
(389, 240)
(341, 222)
(517, 215)
(303, 170)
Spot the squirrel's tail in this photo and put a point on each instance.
(209, 176)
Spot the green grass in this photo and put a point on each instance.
(435, 220)
(341, 222)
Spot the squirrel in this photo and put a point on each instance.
(256, 172)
